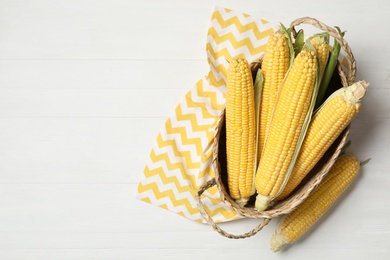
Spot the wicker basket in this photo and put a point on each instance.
(313, 178)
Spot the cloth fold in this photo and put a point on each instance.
(180, 159)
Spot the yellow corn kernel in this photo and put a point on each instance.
(275, 64)
(240, 130)
(292, 226)
(327, 124)
(291, 109)
(320, 43)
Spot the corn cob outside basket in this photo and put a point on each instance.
(314, 177)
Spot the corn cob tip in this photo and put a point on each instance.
(356, 92)
(242, 201)
(278, 241)
(262, 202)
(361, 89)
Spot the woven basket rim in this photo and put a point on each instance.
(318, 172)
(291, 202)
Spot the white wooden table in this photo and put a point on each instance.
(85, 86)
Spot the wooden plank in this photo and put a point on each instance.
(103, 30)
(194, 254)
(148, 102)
(68, 218)
(101, 74)
(93, 103)
(73, 150)
(115, 150)
(153, 29)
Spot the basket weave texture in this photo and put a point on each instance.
(313, 179)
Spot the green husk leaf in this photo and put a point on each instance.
(329, 70)
(306, 122)
(299, 42)
(365, 162)
(345, 147)
(258, 86)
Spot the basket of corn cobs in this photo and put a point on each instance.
(280, 140)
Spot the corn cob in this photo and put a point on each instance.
(327, 124)
(240, 130)
(321, 43)
(292, 226)
(275, 64)
(289, 123)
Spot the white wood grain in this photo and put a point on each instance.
(102, 150)
(102, 30)
(100, 74)
(89, 102)
(99, 217)
(86, 85)
(134, 103)
(74, 150)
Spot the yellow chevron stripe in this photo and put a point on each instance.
(220, 53)
(178, 153)
(201, 105)
(195, 104)
(164, 206)
(192, 118)
(236, 44)
(212, 96)
(225, 53)
(246, 15)
(182, 131)
(210, 135)
(221, 67)
(168, 180)
(204, 172)
(242, 28)
(264, 21)
(181, 213)
(145, 199)
(173, 166)
(226, 214)
(208, 153)
(213, 80)
(213, 191)
(168, 193)
(205, 159)
(180, 202)
(235, 21)
(213, 77)
(208, 171)
(208, 105)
